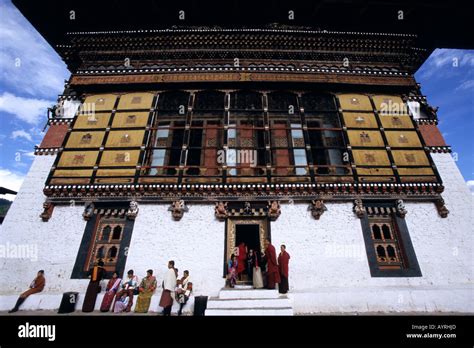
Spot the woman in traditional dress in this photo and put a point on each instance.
(232, 268)
(257, 272)
(183, 291)
(112, 287)
(122, 303)
(169, 284)
(96, 275)
(146, 290)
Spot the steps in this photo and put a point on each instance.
(244, 300)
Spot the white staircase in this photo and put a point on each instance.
(244, 300)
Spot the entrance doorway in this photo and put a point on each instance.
(248, 234)
(251, 231)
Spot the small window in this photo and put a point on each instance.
(106, 233)
(117, 232)
(388, 244)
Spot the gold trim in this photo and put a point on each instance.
(232, 222)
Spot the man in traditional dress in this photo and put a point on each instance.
(273, 276)
(96, 275)
(183, 291)
(283, 261)
(146, 291)
(37, 285)
(112, 287)
(128, 287)
(169, 284)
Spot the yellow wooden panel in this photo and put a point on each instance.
(72, 172)
(371, 157)
(71, 181)
(390, 104)
(125, 138)
(354, 102)
(98, 102)
(416, 171)
(410, 158)
(360, 120)
(85, 139)
(78, 159)
(120, 158)
(403, 139)
(365, 138)
(135, 101)
(113, 180)
(377, 178)
(93, 121)
(116, 172)
(374, 171)
(396, 121)
(418, 179)
(130, 119)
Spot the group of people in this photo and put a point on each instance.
(119, 293)
(263, 269)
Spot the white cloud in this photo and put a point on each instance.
(470, 185)
(468, 84)
(20, 133)
(11, 181)
(26, 109)
(27, 62)
(446, 61)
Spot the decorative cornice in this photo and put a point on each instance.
(39, 151)
(366, 72)
(439, 149)
(237, 30)
(426, 121)
(263, 192)
(59, 121)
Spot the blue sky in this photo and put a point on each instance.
(32, 75)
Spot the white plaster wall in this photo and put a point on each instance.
(54, 244)
(195, 243)
(329, 271)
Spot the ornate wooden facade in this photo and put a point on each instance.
(168, 114)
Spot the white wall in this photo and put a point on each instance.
(195, 243)
(54, 244)
(329, 271)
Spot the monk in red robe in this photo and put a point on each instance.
(37, 285)
(283, 261)
(273, 275)
(242, 259)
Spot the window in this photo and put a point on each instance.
(388, 244)
(106, 237)
(205, 135)
(246, 135)
(106, 244)
(168, 136)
